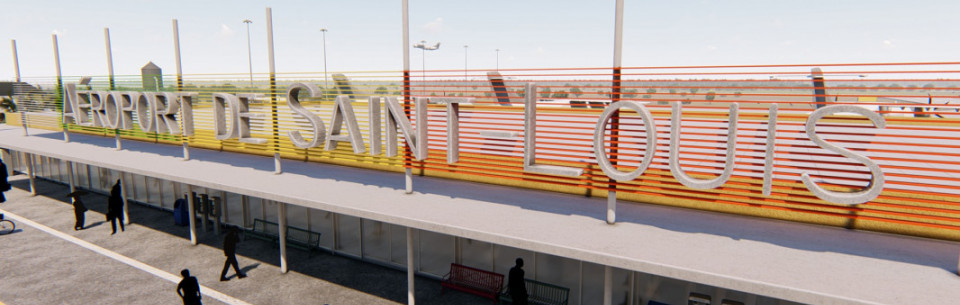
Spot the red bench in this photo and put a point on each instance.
(480, 282)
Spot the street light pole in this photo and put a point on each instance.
(324, 31)
(465, 62)
(249, 54)
(498, 59)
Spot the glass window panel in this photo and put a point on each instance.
(398, 253)
(559, 271)
(437, 251)
(376, 240)
(476, 253)
(348, 232)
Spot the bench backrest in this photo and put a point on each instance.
(307, 237)
(483, 279)
(549, 293)
(266, 227)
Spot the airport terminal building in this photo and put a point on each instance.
(616, 186)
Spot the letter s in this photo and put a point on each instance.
(317, 128)
(875, 186)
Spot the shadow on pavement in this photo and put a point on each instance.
(373, 279)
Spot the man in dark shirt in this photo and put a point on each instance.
(115, 207)
(189, 289)
(516, 286)
(230, 251)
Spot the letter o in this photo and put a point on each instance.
(111, 106)
(600, 150)
(146, 113)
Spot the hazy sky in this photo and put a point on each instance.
(366, 35)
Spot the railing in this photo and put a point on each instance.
(918, 151)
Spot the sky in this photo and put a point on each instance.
(367, 35)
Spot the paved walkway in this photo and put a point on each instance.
(66, 267)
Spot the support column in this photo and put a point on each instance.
(123, 196)
(32, 174)
(410, 267)
(192, 212)
(282, 227)
(607, 285)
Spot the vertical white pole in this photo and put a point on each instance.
(282, 223)
(32, 174)
(249, 54)
(176, 50)
(192, 213)
(406, 36)
(617, 63)
(408, 173)
(16, 59)
(56, 59)
(612, 207)
(16, 70)
(273, 74)
(176, 53)
(618, 36)
(106, 39)
(410, 266)
(607, 284)
(276, 164)
(408, 180)
(123, 195)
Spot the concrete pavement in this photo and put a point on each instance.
(37, 267)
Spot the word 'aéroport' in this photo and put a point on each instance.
(157, 112)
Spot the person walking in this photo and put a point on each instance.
(4, 184)
(230, 251)
(517, 286)
(115, 207)
(189, 289)
(78, 209)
